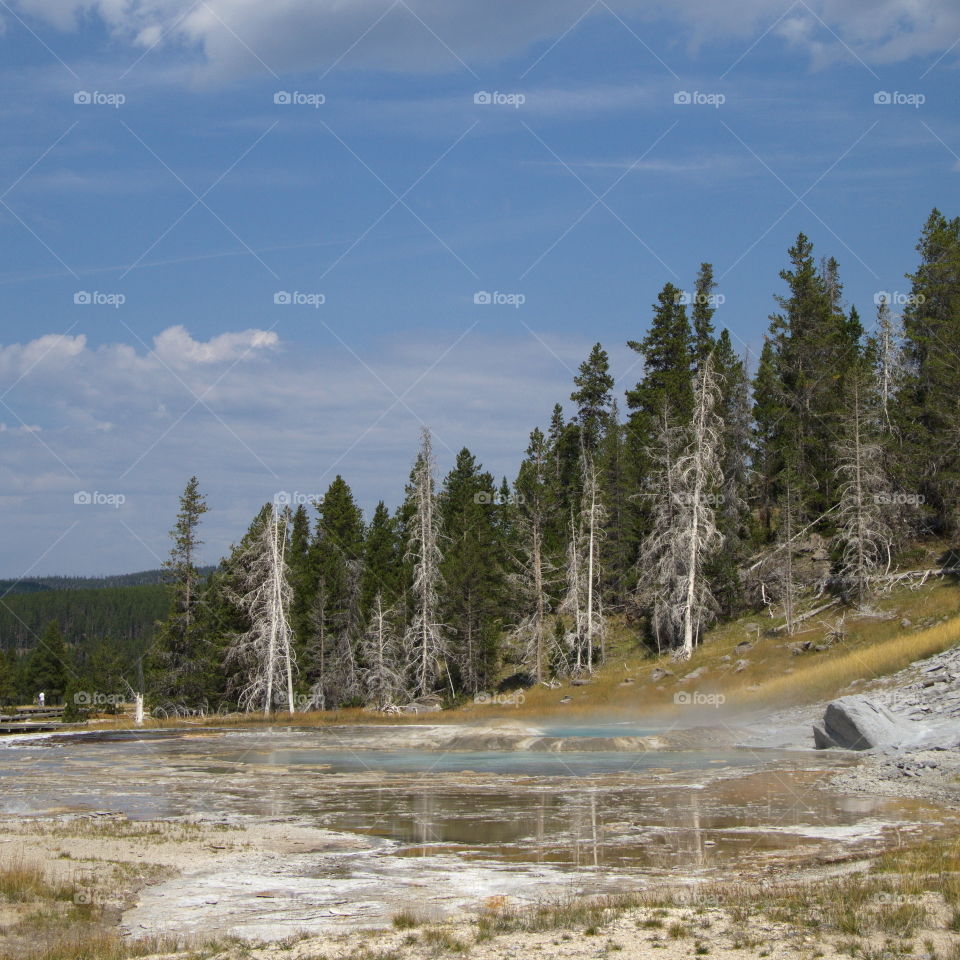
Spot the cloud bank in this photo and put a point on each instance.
(232, 37)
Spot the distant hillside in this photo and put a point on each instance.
(40, 584)
(126, 616)
(122, 610)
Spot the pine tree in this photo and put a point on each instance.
(336, 623)
(564, 446)
(929, 401)
(668, 355)
(619, 552)
(8, 678)
(382, 561)
(733, 516)
(50, 666)
(301, 576)
(664, 394)
(182, 661)
(812, 346)
(472, 571)
(704, 308)
(593, 398)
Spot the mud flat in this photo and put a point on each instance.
(268, 834)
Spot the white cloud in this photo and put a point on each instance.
(284, 416)
(176, 347)
(239, 36)
(26, 428)
(53, 350)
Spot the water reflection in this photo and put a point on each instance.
(586, 812)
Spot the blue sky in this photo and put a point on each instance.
(181, 199)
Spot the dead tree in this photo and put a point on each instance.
(533, 571)
(383, 677)
(572, 604)
(425, 635)
(685, 534)
(889, 363)
(593, 515)
(659, 563)
(699, 477)
(264, 652)
(581, 602)
(863, 533)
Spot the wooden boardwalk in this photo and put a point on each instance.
(31, 720)
(27, 727)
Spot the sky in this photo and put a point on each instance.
(266, 243)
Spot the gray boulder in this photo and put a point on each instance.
(858, 723)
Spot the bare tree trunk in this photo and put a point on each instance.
(591, 541)
(426, 634)
(706, 439)
(864, 532)
(541, 612)
(789, 585)
(265, 651)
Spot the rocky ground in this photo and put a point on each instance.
(926, 698)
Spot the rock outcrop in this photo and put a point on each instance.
(858, 723)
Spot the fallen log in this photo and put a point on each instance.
(892, 579)
(808, 614)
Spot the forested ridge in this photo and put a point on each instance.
(695, 494)
(46, 584)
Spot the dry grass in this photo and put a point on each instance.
(82, 943)
(22, 881)
(59, 920)
(829, 676)
(120, 828)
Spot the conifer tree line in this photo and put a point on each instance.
(696, 503)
